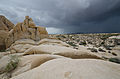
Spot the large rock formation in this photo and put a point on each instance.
(73, 69)
(32, 61)
(22, 45)
(26, 30)
(5, 27)
(60, 50)
(5, 24)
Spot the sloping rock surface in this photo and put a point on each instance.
(31, 61)
(73, 69)
(59, 50)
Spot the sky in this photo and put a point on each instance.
(66, 16)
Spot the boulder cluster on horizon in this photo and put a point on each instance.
(27, 51)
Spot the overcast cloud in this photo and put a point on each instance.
(65, 16)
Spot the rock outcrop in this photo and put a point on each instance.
(60, 50)
(73, 69)
(5, 27)
(32, 61)
(22, 45)
(26, 30)
(5, 24)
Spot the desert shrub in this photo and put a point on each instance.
(78, 40)
(117, 41)
(63, 36)
(109, 51)
(83, 43)
(115, 60)
(2, 50)
(13, 62)
(107, 47)
(71, 43)
(102, 43)
(59, 38)
(92, 49)
(97, 45)
(101, 50)
(89, 42)
(114, 54)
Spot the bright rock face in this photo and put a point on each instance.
(5, 27)
(59, 50)
(73, 69)
(32, 61)
(20, 46)
(26, 30)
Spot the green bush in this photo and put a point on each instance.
(92, 49)
(13, 62)
(107, 47)
(63, 36)
(78, 40)
(83, 43)
(101, 50)
(115, 60)
(2, 50)
(72, 44)
(114, 54)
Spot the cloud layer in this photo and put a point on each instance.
(65, 16)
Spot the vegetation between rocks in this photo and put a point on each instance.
(115, 60)
(83, 43)
(92, 49)
(13, 62)
(71, 43)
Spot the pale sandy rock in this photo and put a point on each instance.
(73, 69)
(115, 37)
(59, 50)
(3, 63)
(6, 59)
(26, 30)
(20, 48)
(52, 42)
(116, 50)
(5, 76)
(25, 41)
(31, 61)
(22, 45)
(2, 54)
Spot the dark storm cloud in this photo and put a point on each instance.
(67, 15)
